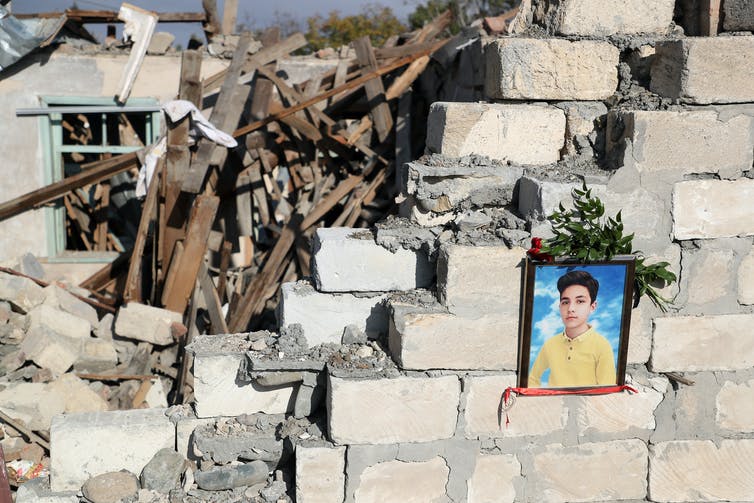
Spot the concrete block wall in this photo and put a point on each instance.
(425, 424)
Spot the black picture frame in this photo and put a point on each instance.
(569, 360)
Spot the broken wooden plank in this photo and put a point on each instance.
(90, 173)
(23, 430)
(211, 24)
(190, 87)
(110, 16)
(230, 10)
(141, 23)
(211, 301)
(200, 223)
(375, 91)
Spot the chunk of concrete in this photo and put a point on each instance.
(132, 438)
(160, 42)
(77, 394)
(708, 343)
(22, 292)
(703, 70)
(523, 134)
(349, 260)
(146, 323)
(323, 316)
(163, 472)
(37, 490)
(403, 409)
(555, 468)
(550, 69)
(96, 355)
(65, 301)
(60, 322)
(699, 470)
(738, 15)
(320, 474)
(50, 350)
(227, 477)
(601, 18)
(408, 482)
(708, 209)
(34, 404)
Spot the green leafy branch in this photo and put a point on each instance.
(585, 233)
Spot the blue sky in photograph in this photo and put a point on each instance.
(606, 319)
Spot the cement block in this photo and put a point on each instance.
(620, 412)
(708, 343)
(734, 406)
(421, 338)
(738, 15)
(550, 69)
(50, 350)
(349, 260)
(89, 444)
(640, 333)
(529, 416)
(708, 277)
(96, 355)
(603, 471)
(320, 474)
(708, 209)
(542, 197)
(703, 70)
(184, 435)
(403, 409)
(217, 392)
(523, 134)
(492, 481)
(416, 482)
(688, 141)
(22, 292)
(34, 404)
(746, 279)
(698, 470)
(601, 18)
(480, 279)
(323, 316)
(64, 301)
(146, 323)
(60, 322)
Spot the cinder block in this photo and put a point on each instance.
(698, 470)
(708, 343)
(708, 209)
(738, 15)
(349, 260)
(89, 444)
(523, 134)
(492, 480)
(702, 70)
(440, 187)
(734, 406)
(218, 392)
(620, 412)
(403, 409)
(746, 279)
(480, 279)
(550, 69)
(603, 471)
(320, 474)
(323, 316)
(420, 338)
(687, 141)
(146, 323)
(416, 482)
(22, 292)
(601, 18)
(539, 415)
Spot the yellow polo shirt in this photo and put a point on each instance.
(586, 360)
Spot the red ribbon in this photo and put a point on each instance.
(596, 390)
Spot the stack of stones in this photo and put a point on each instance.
(661, 126)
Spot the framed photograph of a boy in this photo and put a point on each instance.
(575, 323)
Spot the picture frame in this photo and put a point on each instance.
(568, 339)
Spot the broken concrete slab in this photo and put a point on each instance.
(323, 316)
(146, 323)
(64, 324)
(519, 133)
(348, 260)
(228, 440)
(50, 350)
(34, 404)
(133, 437)
(163, 472)
(550, 69)
(160, 42)
(65, 301)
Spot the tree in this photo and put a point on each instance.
(376, 21)
(464, 11)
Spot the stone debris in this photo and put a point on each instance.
(111, 487)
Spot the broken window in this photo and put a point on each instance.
(102, 216)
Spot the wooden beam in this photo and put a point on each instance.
(230, 10)
(709, 18)
(200, 223)
(90, 173)
(375, 91)
(190, 87)
(211, 301)
(111, 16)
(211, 23)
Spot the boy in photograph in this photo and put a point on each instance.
(577, 356)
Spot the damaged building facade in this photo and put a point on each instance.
(385, 376)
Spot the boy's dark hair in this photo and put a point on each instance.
(582, 278)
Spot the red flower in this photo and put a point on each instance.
(535, 253)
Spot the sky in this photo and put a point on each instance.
(606, 319)
(256, 13)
